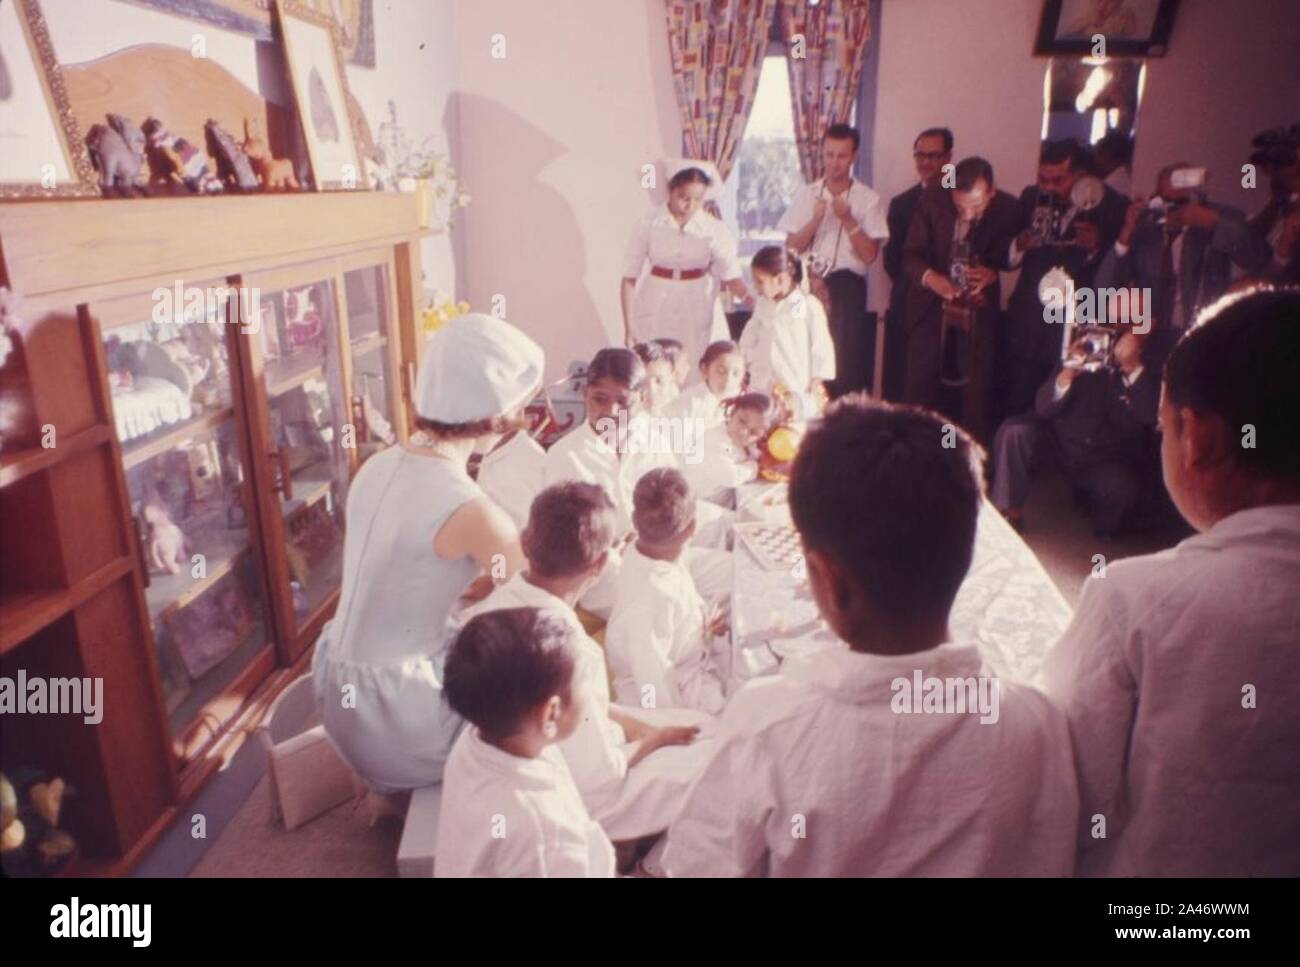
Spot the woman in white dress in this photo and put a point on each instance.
(419, 532)
(689, 254)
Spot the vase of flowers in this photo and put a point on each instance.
(419, 169)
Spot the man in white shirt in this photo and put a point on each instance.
(1180, 674)
(839, 222)
(894, 752)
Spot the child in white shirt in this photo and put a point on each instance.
(659, 635)
(730, 458)
(787, 342)
(629, 791)
(893, 752)
(509, 805)
(723, 370)
(511, 474)
(660, 377)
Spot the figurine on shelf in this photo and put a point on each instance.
(167, 543)
(30, 838)
(173, 159)
(123, 363)
(303, 322)
(233, 166)
(118, 151)
(276, 174)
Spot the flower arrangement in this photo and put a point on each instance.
(441, 310)
(404, 165)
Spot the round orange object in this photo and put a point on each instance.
(783, 444)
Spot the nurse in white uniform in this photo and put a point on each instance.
(419, 532)
(686, 255)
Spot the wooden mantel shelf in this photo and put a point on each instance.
(77, 251)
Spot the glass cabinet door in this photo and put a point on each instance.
(367, 298)
(301, 372)
(169, 373)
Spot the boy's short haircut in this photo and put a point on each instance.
(619, 364)
(892, 493)
(503, 664)
(663, 505)
(1241, 362)
(570, 525)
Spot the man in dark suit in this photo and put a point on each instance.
(1099, 424)
(941, 315)
(1031, 347)
(1183, 251)
(931, 150)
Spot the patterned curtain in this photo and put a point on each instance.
(717, 49)
(831, 37)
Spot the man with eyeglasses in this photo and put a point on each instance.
(931, 150)
(839, 224)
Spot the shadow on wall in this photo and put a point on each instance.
(523, 241)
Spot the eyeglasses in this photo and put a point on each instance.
(928, 155)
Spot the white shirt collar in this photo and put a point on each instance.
(861, 678)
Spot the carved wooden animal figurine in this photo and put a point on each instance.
(118, 151)
(276, 174)
(172, 158)
(233, 166)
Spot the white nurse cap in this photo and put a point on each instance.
(668, 167)
(476, 366)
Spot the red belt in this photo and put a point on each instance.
(659, 272)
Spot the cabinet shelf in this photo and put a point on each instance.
(22, 462)
(168, 593)
(286, 374)
(310, 484)
(138, 452)
(25, 611)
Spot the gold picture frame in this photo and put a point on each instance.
(52, 131)
(331, 129)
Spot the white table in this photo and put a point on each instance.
(1007, 605)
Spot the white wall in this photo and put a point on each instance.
(415, 66)
(553, 138)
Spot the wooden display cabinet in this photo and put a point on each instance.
(172, 506)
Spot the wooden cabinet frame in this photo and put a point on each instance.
(80, 266)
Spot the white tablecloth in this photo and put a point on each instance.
(1008, 604)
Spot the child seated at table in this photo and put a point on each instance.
(660, 377)
(629, 791)
(676, 354)
(787, 343)
(730, 457)
(892, 752)
(607, 449)
(660, 632)
(509, 805)
(723, 370)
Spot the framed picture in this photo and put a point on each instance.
(330, 128)
(356, 20)
(1132, 28)
(42, 153)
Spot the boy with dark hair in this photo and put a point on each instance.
(631, 793)
(1182, 768)
(660, 630)
(509, 805)
(826, 769)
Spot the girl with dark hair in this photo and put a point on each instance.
(722, 369)
(730, 455)
(677, 258)
(787, 343)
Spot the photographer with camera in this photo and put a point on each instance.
(1095, 416)
(1277, 154)
(1181, 248)
(1068, 219)
(955, 245)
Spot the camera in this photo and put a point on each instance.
(1090, 350)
